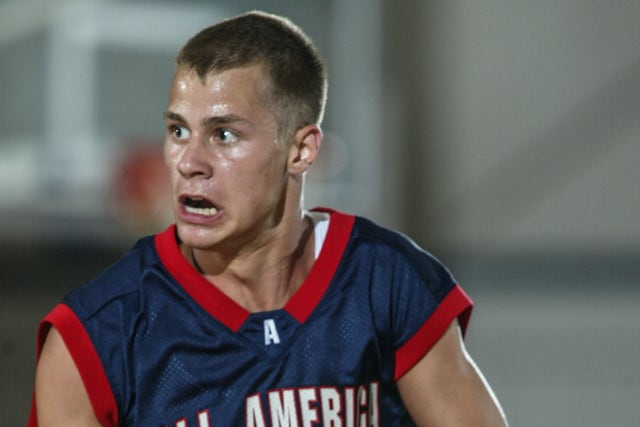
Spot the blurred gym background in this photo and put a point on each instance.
(504, 136)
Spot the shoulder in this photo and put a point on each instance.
(405, 284)
(100, 320)
(394, 253)
(118, 281)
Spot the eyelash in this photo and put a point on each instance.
(175, 129)
(223, 135)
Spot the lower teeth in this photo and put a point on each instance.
(202, 211)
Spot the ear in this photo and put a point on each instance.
(304, 148)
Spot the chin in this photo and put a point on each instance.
(196, 236)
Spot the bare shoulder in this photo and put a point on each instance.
(446, 388)
(60, 396)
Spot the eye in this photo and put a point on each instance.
(180, 133)
(225, 136)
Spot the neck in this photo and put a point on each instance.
(263, 276)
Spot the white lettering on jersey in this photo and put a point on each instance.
(254, 414)
(203, 420)
(308, 399)
(282, 405)
(330, 404)
(362, 403)
(311, 406)
(270, 332)
(289, 407)
(374, 415)
(350, 406)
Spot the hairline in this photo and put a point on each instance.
(268, 97)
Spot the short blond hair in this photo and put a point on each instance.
(297, 73)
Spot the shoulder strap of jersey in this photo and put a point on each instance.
(86, 360)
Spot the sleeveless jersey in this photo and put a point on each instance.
(156, 344)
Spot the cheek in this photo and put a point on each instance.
(260, 165)
(272, 169)
(171, 158)
(261, 180)
(168, 152)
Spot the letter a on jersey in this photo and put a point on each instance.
(270, 332)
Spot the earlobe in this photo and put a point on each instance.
(305, 148)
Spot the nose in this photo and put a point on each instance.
(194, 161)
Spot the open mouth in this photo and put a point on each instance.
(199, 206)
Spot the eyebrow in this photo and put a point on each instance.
(169, 115)
(223, 120)
(209, 121)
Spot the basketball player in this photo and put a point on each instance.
(250, 310)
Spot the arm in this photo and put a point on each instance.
(446, 388)
(61, 399)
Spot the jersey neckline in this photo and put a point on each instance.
(224, 309)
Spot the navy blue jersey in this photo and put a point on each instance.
(156, 344)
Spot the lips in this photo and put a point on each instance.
(198, 206)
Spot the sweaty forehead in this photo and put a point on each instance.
(245, 82)
(237, 93)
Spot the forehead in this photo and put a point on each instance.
(225, 92)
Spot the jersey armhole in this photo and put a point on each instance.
(456, 304)
(86, 360)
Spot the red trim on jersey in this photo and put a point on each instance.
(231, 314)
(455, 305)
(210, 298)
(306, 299)
(87, 362)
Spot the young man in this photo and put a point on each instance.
(250, 310)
